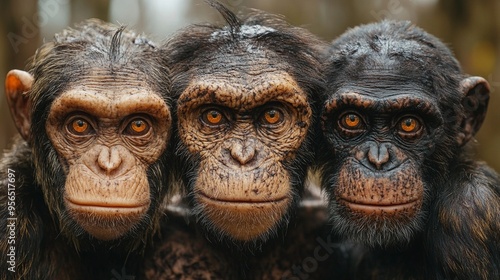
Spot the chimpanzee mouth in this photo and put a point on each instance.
(241, 201)
(98, 207)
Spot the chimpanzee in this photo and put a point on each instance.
(398, 116)
(84, 184)
(246, 117)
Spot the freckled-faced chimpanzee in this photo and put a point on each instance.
(247, 114)
(398, 114)
(246, 95)
(86, 180)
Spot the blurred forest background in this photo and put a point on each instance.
(470, 28)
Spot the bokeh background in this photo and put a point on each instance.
(470, 28)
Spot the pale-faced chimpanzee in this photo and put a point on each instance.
(86, 180)
(246, 102)
(398, 115)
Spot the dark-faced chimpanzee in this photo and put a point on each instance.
(86, 180)
(247, 113)
(398, 115)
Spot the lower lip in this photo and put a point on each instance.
(374, 208)
(122, 209)
(253, 202)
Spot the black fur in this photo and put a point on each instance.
(455, 236)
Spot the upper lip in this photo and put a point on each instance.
(379, 171)
(241, 167)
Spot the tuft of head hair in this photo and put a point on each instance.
(232, 20)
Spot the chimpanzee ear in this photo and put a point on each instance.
(17, 86)
(476, 94)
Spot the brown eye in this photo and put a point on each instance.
(79, 126)
(409, 125)
(351, 121)
(138, 127)
(272, 116)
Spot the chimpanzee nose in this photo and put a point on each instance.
(243, 151)
(378, 155)
(109, 159)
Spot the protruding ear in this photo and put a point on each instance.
(476, 94)
(17, 85)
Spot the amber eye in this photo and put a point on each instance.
(409, 125)
(351, 121)
(213, 117)
(138, 127)
(272, 116)
(79, 126)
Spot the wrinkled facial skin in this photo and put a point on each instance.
(107, 131)
(245, 126)
(380, 138)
